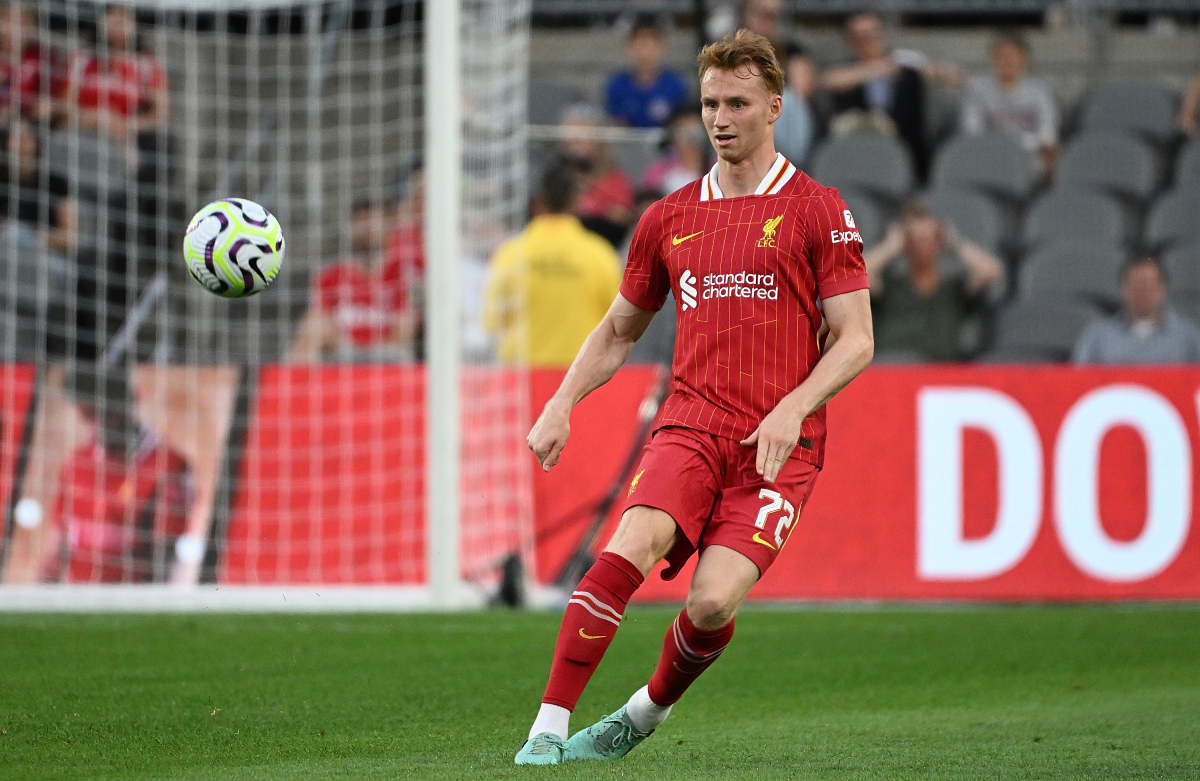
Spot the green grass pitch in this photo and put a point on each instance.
(889, 693)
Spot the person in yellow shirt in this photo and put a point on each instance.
(550, 285)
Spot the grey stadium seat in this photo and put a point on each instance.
(878, 165)
(547, 99)
(1041, 327)
(990, 162)
(1131, 106)
(1175, 219)
(974, 215)
(1110, 162)
(1074, 213)
(1087, 269)
(1183, 268)
(1187, 170)
(867, 216)
(1183, 277)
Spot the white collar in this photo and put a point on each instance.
(777, 176)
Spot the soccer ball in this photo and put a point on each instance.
(233, 247)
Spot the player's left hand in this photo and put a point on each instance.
(776, 438)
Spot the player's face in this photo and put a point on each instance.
(739, 111)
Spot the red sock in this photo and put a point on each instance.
(687, 652)
(592, 618)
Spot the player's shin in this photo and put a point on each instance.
(687, 652)
(592, 618)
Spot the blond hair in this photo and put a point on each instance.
(748, 49)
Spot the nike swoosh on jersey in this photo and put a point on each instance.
(676, 240)
(586, 636)
(758, 539)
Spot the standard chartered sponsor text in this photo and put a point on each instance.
(744, 284)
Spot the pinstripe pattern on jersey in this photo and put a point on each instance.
(736, 357)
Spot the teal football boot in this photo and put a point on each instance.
(610, 738)
(543, 749)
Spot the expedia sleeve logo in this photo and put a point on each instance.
(837, 236)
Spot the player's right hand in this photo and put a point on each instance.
(549, 435)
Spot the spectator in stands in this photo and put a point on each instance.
(1147, 331)
(550, 286)
(885, 82)
(124, 495)
(685, 160)
(27, 78)
(646, 95)
(361, 306)
(1009, 101)
(764, 17)
(796, 127)
(34, 202)
(642, 201)
(120, 91)
(920, 313)
(606, 198)
(1191, 106)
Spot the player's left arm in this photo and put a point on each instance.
(853, 344)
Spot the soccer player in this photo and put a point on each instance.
(774, 319)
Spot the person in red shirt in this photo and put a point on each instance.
(28, 78)
(774, 319)
(120, 91)
(124, 495)
(366, 304)
(605, 200)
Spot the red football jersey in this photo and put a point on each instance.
(122, 517)
(32, 78)
(748, 275)
(363, 302)
(121, 84)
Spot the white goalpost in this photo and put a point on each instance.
(345, 440)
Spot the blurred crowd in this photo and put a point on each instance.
(954, 262)
(85, 131)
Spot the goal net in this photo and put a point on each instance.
(151, 432)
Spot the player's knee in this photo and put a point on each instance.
(643, 537)
(710, 611)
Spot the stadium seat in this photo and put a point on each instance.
(1110, 162)
(1087, 269)
(878, 165)
(974, 215)
(1074, 213)
(1187, 170)
(1182, 263)
(867, 216)
(1132, 106)
(990, 162)
(1174, 219)
(1183, 268)
(547, 99)
(1040, 328)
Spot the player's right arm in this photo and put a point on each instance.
(603, 352)
(643, 292)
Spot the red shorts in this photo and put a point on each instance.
(710, 487)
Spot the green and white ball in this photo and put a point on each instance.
(233, 247)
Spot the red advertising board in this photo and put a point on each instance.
(16, 392)
(1045, 483)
